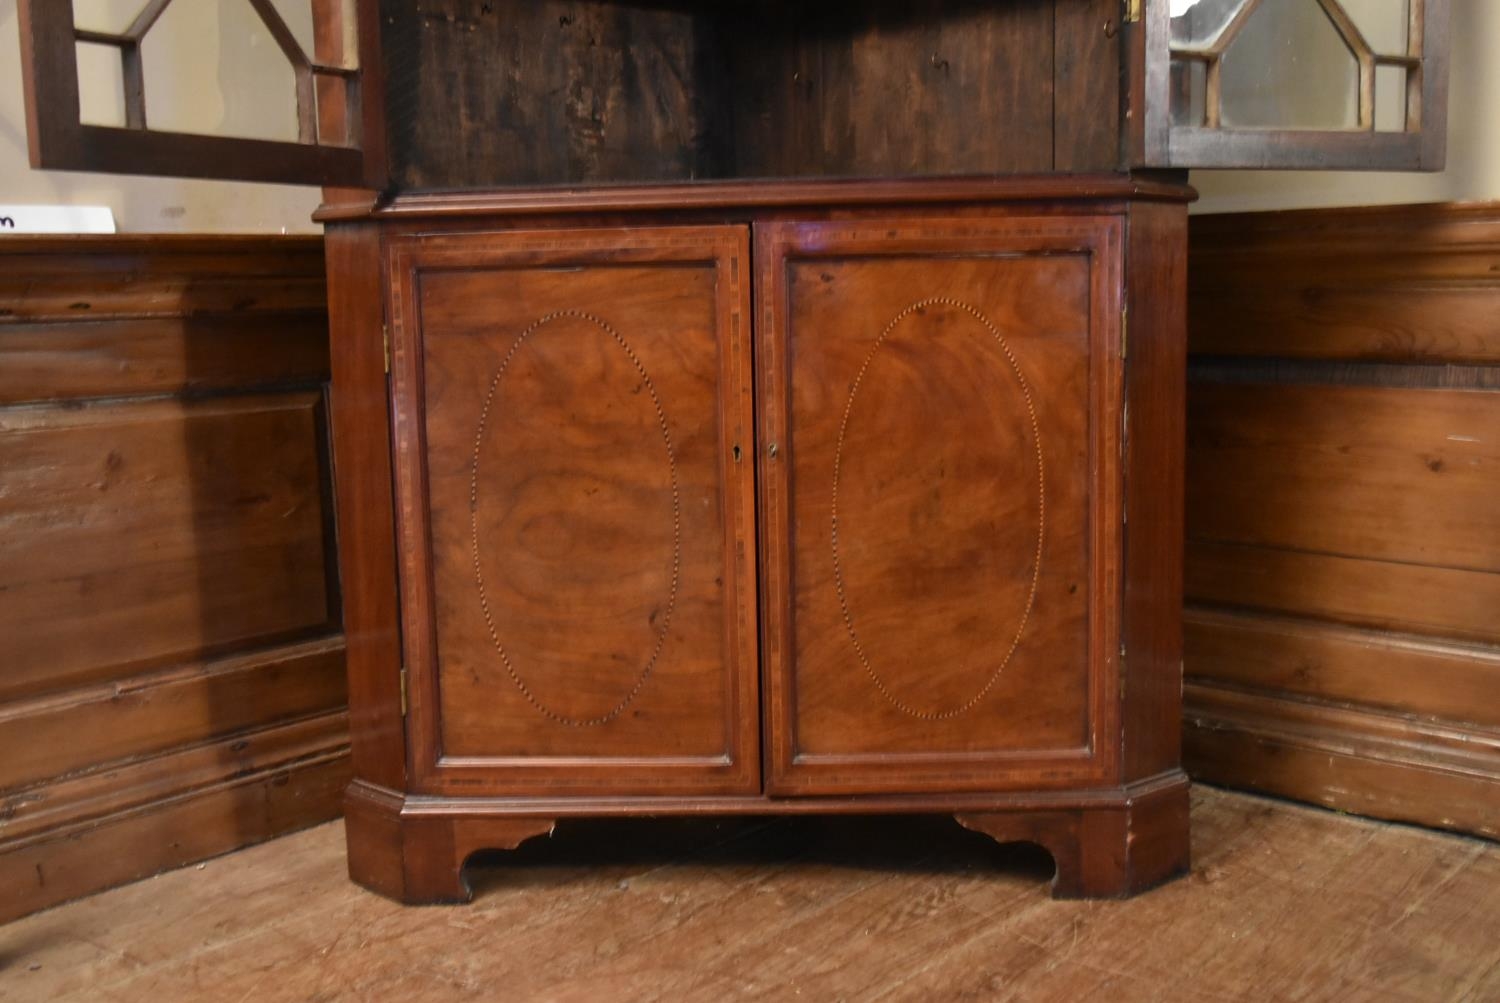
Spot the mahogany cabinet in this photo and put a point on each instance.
(760, 406)
(806, 499)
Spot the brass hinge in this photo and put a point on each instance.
(403, 691)
(1133, 10)
(385, 346)
(1124, 332)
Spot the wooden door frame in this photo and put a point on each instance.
(429, 769)
(1101, 239)
(1152, 141)
(59, 140)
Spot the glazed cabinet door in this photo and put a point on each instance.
(288, 91)
(940, 487)
(1311, 84)
(575, 508)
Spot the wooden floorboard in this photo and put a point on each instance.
(1285, 903)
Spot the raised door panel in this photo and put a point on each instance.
(940, 495)
(575, 508)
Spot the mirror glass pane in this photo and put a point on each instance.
(1383, 23)
(212, 67)
(1299, 83)
(1189, 87)
(101, 85)
(112, 16)
(1390, 99)
(1289, 68)
(216, 68)
(1198, 23)
(297, 14)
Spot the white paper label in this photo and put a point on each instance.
(56, 219)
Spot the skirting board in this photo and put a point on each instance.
(170, 811)
(1371, 763)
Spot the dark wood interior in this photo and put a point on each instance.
(516, 92)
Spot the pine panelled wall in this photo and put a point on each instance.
(1343, 511)
(173, 679)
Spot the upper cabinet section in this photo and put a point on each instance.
(253, 90)
(516, 93)
(526, 92)
(1292, 83)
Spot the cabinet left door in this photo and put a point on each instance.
(574, 485)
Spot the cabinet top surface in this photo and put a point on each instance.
(563, 200)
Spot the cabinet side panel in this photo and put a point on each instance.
(362, 476)
(1156, 302)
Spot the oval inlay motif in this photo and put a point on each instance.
(544, 522)
(944, 535)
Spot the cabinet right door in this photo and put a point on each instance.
(940, 489)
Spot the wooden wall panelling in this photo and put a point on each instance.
(1343, 573)
(144, 532)
(1450, 602)
(1398, 767)
(1361, 504)
(243, 796)
(1415, 470)
(117, 719)
(1302, 657)
(1391, 284)
(166, 555)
